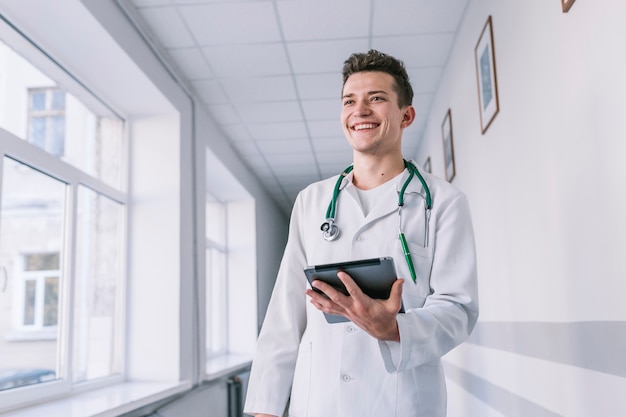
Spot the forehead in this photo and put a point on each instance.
(366, 81)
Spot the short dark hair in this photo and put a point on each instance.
(378, 61)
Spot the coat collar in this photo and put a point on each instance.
(389, 201)
(414, 186)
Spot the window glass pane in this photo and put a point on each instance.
(56, 145)
(217, 303)
(215, 213)
(66, 127)
(37, 132)
(98, 275)
(38, 101)
(31, 246)
(51, 301)
(41, 261)
(216, 277)
(58, 100)
(30, 288)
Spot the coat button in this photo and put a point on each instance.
(345, 378)
(351, 329)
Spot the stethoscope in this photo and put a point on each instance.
(330, 230)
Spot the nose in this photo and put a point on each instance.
(361, 109)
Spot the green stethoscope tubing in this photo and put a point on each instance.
(331, 232)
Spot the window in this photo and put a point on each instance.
(83, 133)
(46, 119)
(231, 275)
(32, 223)
(62, 226)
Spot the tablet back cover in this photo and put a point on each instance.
(374, 276)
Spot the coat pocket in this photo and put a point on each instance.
(414, 293)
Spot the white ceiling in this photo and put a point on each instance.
(269, 71)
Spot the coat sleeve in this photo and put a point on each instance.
(274, 361)
(451, 310)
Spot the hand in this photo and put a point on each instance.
(376, 317)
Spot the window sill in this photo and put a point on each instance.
(106, 402)
(31, 335)
(225, 365)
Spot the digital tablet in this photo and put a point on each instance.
(374, 276)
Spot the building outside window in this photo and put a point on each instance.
(40, 289)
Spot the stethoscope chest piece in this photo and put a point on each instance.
(330, 231)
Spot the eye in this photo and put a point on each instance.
(347, 102)
(378, 98)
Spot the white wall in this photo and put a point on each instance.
(546, 187)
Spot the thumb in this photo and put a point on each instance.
(396, 292)
(396, 288)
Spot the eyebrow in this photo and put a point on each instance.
(369, 93)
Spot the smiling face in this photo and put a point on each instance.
(371, 117)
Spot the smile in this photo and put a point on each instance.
(364, 126)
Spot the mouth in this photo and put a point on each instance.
(364, 126)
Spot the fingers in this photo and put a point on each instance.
(323, 302)
(351, 286)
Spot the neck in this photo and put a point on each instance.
(372, 172)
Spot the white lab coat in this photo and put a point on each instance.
(338, 370)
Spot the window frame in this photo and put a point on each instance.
(161, 185)
(19, 149)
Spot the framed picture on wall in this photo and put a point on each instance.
(448, 146)
(428, 166)
(566, 4)
(486, 76)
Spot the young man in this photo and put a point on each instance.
(381, 362)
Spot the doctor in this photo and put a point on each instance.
(381, 362)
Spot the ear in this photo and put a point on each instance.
(408, 117)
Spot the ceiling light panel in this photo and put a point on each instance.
(248, 60)
(318, 86)
(324, 19)
(258, 89)
(416, 16)
(426, 50)
(285, 130)
(323, 56)
(283, 111)
(232, 22)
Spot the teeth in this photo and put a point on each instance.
(364, 126)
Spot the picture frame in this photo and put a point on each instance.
(566, 5)
(486, 77)
(448, 146)
(428, 167)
